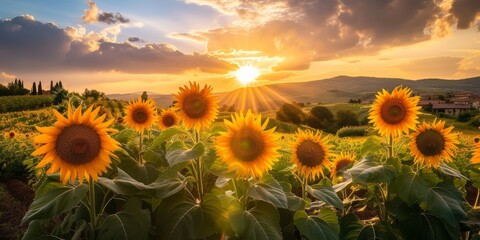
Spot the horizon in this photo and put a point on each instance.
(164, 45)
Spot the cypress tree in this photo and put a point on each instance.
(60, 85)
(34, 89)
(40, 90)
(16, 82)
(51, 86)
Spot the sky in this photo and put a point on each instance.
(129, 46)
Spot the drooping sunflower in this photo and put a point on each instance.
(167, 118)
(310, 153)
(140, 114)
(476, 154)
(394, 113)
(247, 147)
(432, 142)
(197, 107)
(77, 146)
(340, 162)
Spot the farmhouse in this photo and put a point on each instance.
(450, 109)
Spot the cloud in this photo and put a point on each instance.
(93, 15)
(302, 32)
(465, 11)
(27, 45)
(135, 39)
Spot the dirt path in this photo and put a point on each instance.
(15, 198)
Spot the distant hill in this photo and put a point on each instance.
(332, 90)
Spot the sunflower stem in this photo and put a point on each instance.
(91, 198)
(140, 149)
(199, 170)
(390, 147)
(476, 199)
(304, 187)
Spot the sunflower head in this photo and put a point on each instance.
(432, 142)
(167, 118)
(394, 113)
(340, 163)
(77, 146)
(310, 153)
(140, 114)
(197, 107)
(11, 134)
(476, 154)
(248, 147)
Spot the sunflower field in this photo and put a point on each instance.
(179, 174)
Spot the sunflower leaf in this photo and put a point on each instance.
(269, 190)
(182, 155)
(165, 135)
(370, 171)
(55, 202)
(313, 227)
(323, 191)
(131, 223)
(259, 222)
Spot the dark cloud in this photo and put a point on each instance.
(135, 39)
(465, 11)
(27, 45)
(330, 29)
(112, 18)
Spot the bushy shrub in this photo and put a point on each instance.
(346, 118)
(464, 117)
(320, 118)
(352, 131)
(291, 112)
(476, 121)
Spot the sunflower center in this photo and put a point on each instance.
(78, 144)
(168, 120)
(341, 164)
(310, 153)
(195, 106)
(430, 143)
(247, 145)
(11, 134)
(140, 116)
(393, 112)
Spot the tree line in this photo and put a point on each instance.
(17, 87)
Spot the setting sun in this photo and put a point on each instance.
(247, 74)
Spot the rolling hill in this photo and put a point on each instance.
(332, 90)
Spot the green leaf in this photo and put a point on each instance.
(475, 177)
(131, 223)
(323, 191)
(165, 135)
(370, 171)
(36, 232)
(294, 202)
(269, 190)
(425, 226)
(55, 202)
(377, 231)
(350, 227)
(182, 155)
(446, 202)
(124, 184)
(186, 220)
(410, 187)
(261, 222)
(125, 135)
(340, 186)
(313, 227)
(146, 173)
(451, 171)
(330, 216)
(372, 145)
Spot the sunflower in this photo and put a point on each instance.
(78, 146)
(310, 154)
(197, 107)
(140, 114)
(432, 142)
(247, 147)
(11, 134)
(476, 154)
(167, 118)
(394, 113)
(340, 163)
